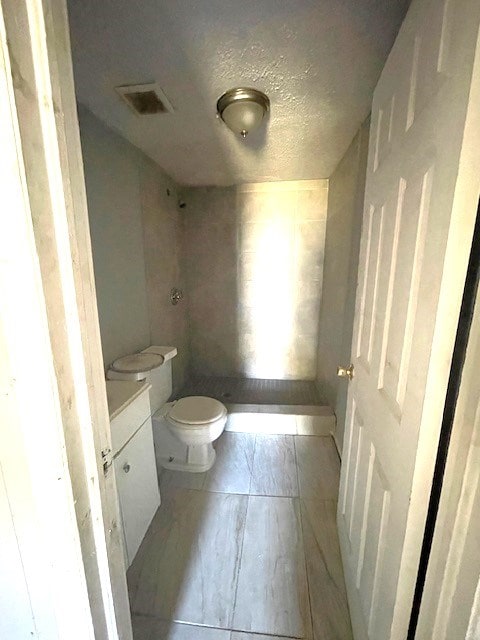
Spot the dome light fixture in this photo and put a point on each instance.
(243, 109)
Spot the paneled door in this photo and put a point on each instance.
(420, 204)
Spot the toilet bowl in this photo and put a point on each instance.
(195, 422)
(183, 431)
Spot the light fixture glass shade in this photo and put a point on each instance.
(243, 110)
(243, 117)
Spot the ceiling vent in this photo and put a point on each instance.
(145, 99)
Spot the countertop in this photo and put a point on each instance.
(120, 393)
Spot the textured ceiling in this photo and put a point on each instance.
(318, 61)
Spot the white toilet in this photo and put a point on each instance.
(183, 431)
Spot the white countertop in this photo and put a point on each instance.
(120, 393)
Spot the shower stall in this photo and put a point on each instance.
(253, 265)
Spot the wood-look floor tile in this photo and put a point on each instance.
(232, 470)
(135, 575)
(178, 631)
(274, 468)
(318, 467)
(240, 635)
(181, 480)
(328, 600)
(272, 594)
(189, 566)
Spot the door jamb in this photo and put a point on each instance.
(37, 92)
(458, 359)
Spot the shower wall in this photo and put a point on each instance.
(136, 231)
(254, 268)
(162, 223)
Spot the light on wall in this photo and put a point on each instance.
(243, 109)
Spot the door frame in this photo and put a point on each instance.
(63, 513)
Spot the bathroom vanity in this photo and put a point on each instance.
(133, 459)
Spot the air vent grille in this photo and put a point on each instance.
(145, 99)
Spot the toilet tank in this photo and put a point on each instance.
(160, 378)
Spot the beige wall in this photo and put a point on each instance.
(254, 260)
(345, 208)
(136, 238)
(114, 209)
(162, 232)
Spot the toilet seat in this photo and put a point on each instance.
(195, 411)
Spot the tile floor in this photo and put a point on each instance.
(251, 391)
(247, 551)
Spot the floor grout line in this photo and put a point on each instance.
(302, 532)
(253, 466)
(296, 466)
(232, 493)
(153, 617)
(239, 565)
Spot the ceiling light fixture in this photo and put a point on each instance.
(243, 109)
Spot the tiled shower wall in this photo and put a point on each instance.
(254, 265)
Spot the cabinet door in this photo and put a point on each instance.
(137, 483)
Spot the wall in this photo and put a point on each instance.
(113, 193)
(163, 238)
(254, 261)
(135, 229)
(345, 210)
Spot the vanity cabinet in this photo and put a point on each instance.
(133, 460)
(137, 484)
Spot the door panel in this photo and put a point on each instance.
(420, 204)
(364, 512)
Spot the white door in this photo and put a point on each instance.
(420, 204)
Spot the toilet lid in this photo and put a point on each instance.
(138, 362)
(197, 410)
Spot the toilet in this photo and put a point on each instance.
(184, 430)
